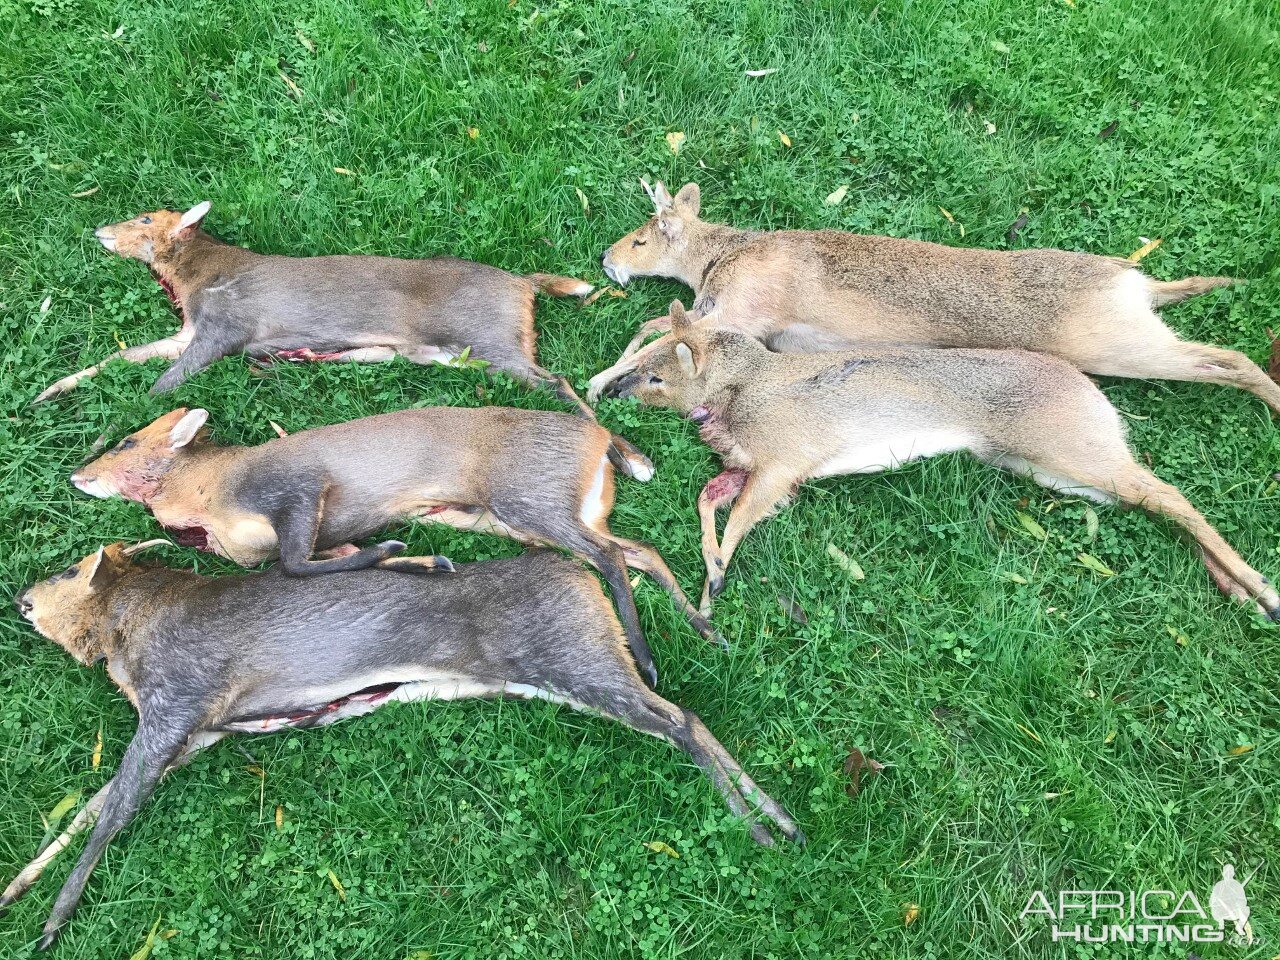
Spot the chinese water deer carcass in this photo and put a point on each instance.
(812, 290)
(201, 658)
(778, 419)
(334, 308)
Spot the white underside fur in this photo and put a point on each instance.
(862, 456)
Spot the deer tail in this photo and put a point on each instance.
(557, 286)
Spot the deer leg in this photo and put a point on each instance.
(720, 491)
(169, 348)
(1185, 360)
(608, 557)
(297, 524)
(756, 496)
(647, 329)
(85, 818)
(1135, 486)
(203, 350)
(641, 556)
(155, 748)
(684, 730)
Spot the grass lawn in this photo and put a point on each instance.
(1045, 727)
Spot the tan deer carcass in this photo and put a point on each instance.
(778, 419)
(537, 476)
(813, 290)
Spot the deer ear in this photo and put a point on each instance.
(679, 319)
(191, 219)
(661, 196)
(689, 199)
(688, 362)
(96, 570)
(185, 430)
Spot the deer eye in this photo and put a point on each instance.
(655, 380)
(126, 444)
(145, 220)
(637, 242)
(68, 574)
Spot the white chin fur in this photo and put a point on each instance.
(95, 488)
(108, 242)
(618, 275)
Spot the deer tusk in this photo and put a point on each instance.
(145, 545)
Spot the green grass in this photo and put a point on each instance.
(1046, 735)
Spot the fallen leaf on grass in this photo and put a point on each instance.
(657, 846)
(305, 41)
(1094, 564)
(279, 817)
(61, 807)
(910, 914)
(45, 304)
(344, 171)
(675, 140)
(792, 609)
(594, 297)
(1240, 750)
(786, 141)
(1145, 249)
(1017, 227)
(144, 951)
(54, 818)
(999, 47)
(1110, 737)
(630, 56)
(952, 220)
(473, 133)
(1179, 637)
(1029, 733)
(836, 196)
(616, 293)
(846, 562)
(989, 127)
(1091, 523)
(762, 73)
(854, 764)
(582, 198)
(288, 82)
(1030, 525)
(81, 194)
(1015, 577)
(1109, 129)
(337, 885)
(97, 750)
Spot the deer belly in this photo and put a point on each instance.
(368, 698)
(879, 454)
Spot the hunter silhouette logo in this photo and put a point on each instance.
(1148, 916)
(1230, 904)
